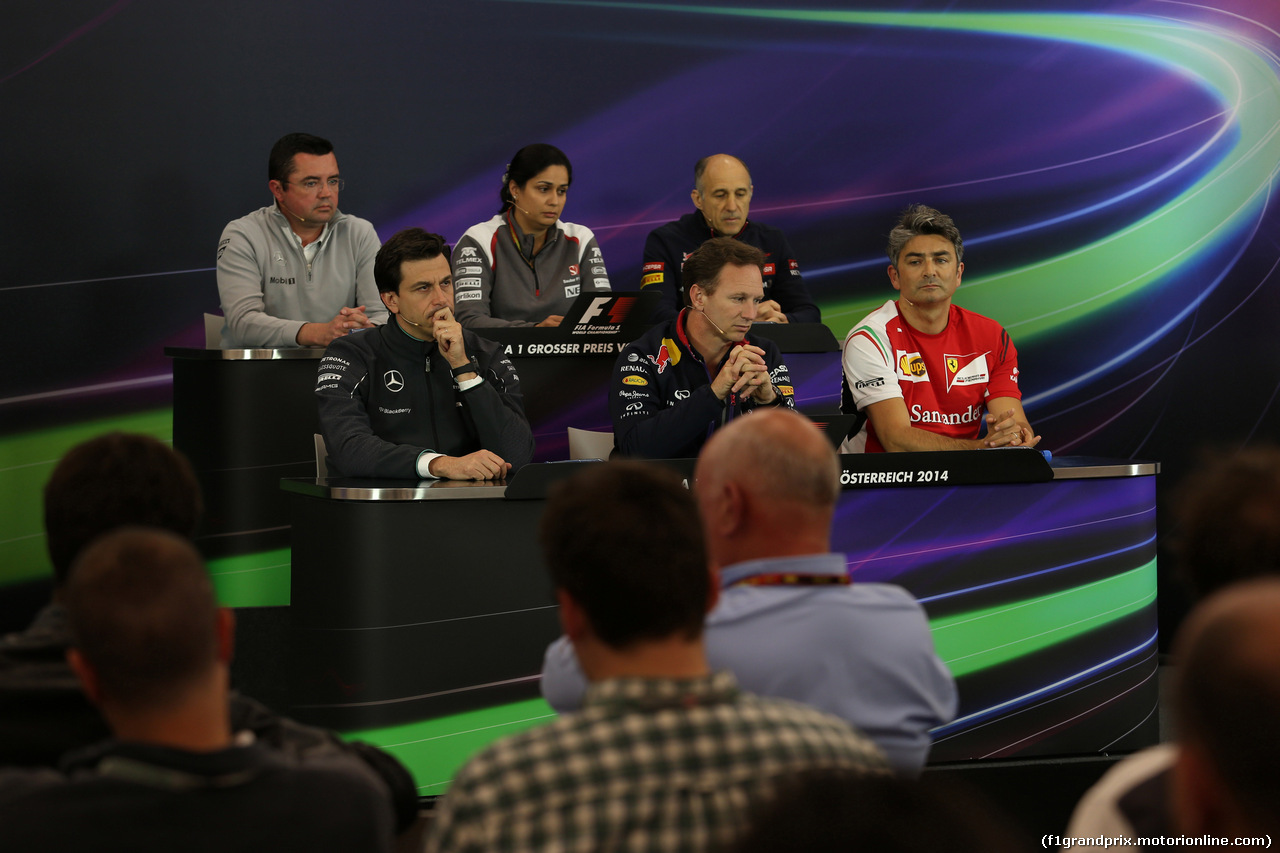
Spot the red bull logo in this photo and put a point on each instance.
(668, 353)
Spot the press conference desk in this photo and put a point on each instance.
(245, 417)
(417, 600)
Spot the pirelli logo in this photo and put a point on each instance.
(651, 278)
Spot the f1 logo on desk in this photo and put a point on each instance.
(617, 312)
(611, 315)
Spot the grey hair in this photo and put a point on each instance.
(921, 219)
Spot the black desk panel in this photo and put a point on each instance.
(415, 601)
(245, 418)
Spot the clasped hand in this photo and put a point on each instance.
(745, 373)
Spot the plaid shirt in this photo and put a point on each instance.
(647, 765)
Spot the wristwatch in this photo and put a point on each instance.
(471, 366)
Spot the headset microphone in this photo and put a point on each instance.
(291, 213)
(713, 323)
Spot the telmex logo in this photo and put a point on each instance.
(912, 364)
(634, 380)
(468, 252)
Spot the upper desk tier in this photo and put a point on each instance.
(245, 417)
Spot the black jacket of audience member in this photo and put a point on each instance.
(44, 715)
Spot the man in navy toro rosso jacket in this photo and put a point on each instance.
(681, 381)
(722, 195)
(420, 397)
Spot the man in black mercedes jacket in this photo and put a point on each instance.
(420, 397)
(722, 195)
(682, 380)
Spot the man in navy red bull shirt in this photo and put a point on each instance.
(722, 191)
(681, 381)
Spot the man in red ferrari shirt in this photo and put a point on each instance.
(926, 373)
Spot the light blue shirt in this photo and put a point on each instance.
(862, 652)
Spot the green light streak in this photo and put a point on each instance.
(970, 642)
(253, 580)
(1036, 298)
(435, 749)
(26, 461)
(967, 642)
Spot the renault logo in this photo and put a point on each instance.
(393, 379)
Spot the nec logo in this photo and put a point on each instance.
(621, 308)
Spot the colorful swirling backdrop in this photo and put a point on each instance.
(1111, 164)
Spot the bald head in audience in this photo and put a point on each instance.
(767, 486)
(1227, 696)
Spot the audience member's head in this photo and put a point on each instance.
(838, 810)
(143, 618)
(623, 541)
(769, 472)
(1227, 698)
(1229, 517)
(111, 481)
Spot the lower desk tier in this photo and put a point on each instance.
(412, 615)
(245, 418)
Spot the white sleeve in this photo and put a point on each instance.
(868, 369)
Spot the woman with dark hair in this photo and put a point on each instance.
(524, 267)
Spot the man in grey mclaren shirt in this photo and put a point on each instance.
(298, 272)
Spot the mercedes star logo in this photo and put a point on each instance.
(393, 379)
